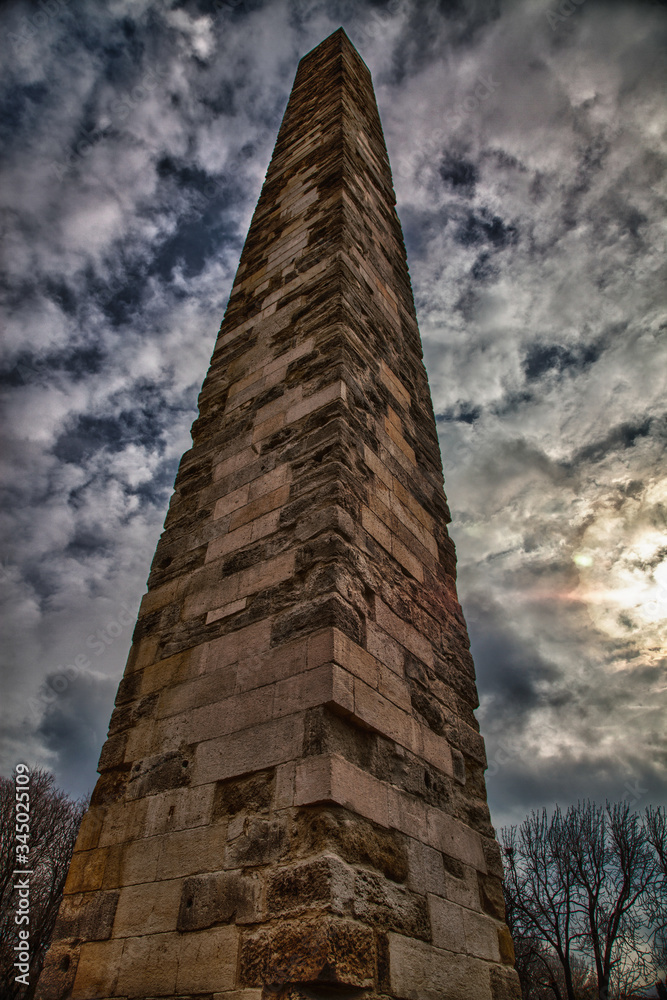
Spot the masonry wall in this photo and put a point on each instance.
(291, 797)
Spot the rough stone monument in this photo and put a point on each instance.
(291, 800)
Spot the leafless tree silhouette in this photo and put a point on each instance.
(54, 823)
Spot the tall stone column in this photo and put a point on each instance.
(291, 800)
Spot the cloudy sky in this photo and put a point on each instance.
(527, 142)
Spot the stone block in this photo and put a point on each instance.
(403, 632)
(266, 574)
(86, 871)
(377, 528)
(505, 945)
(384, 649)
(204, 689)
(113, 752)
(393, 688)
(271, 665)
(187, 852)
(329, 778)
(454, 838)
(481, 934)
(394, 434)
(161, 673)
(447, 924)
(269, 481)
(59, 971)
(464, 889)
(407, 559)
(97, 970)
(262, 841)
(148, 966)
(235, 462)
(87, 916)
(311, 616)
(230, 502)
(409, 814)
(91, 828)
(232, 714)
(326, 883)
(319, 951)
(491, 896)
(386, 906)
(131, 863)
(148, 908)
(252, 793)
(325, 685)
(181, 809)
(336, 390)
(218, 898)
(395, 386)
(379, 468)
(436, 750)
(268, 427)
(505, 984)
(207, 960)
(261, 505)
(385, 717)
(158, 597)
(426, 873)
(274, 742)
(285, 778)
(226, 610)
(419, 971)
(239, 645)
(357, 660)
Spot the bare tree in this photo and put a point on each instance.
(656, 826)
(54, 821)
(539, 890)
(582, 887)
(613, 867)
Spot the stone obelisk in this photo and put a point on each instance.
(291, 801)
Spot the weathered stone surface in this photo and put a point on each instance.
(505, 984)
(324, 950)
(419, 971)
(326, 883)
(353, 838)
(59, 970)
(291, 801)
(87, 916)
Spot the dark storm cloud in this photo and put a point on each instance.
(483, 227)
(513, 676)
(543, 359)
(457, 172)
(72, 722)
(464, 410)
